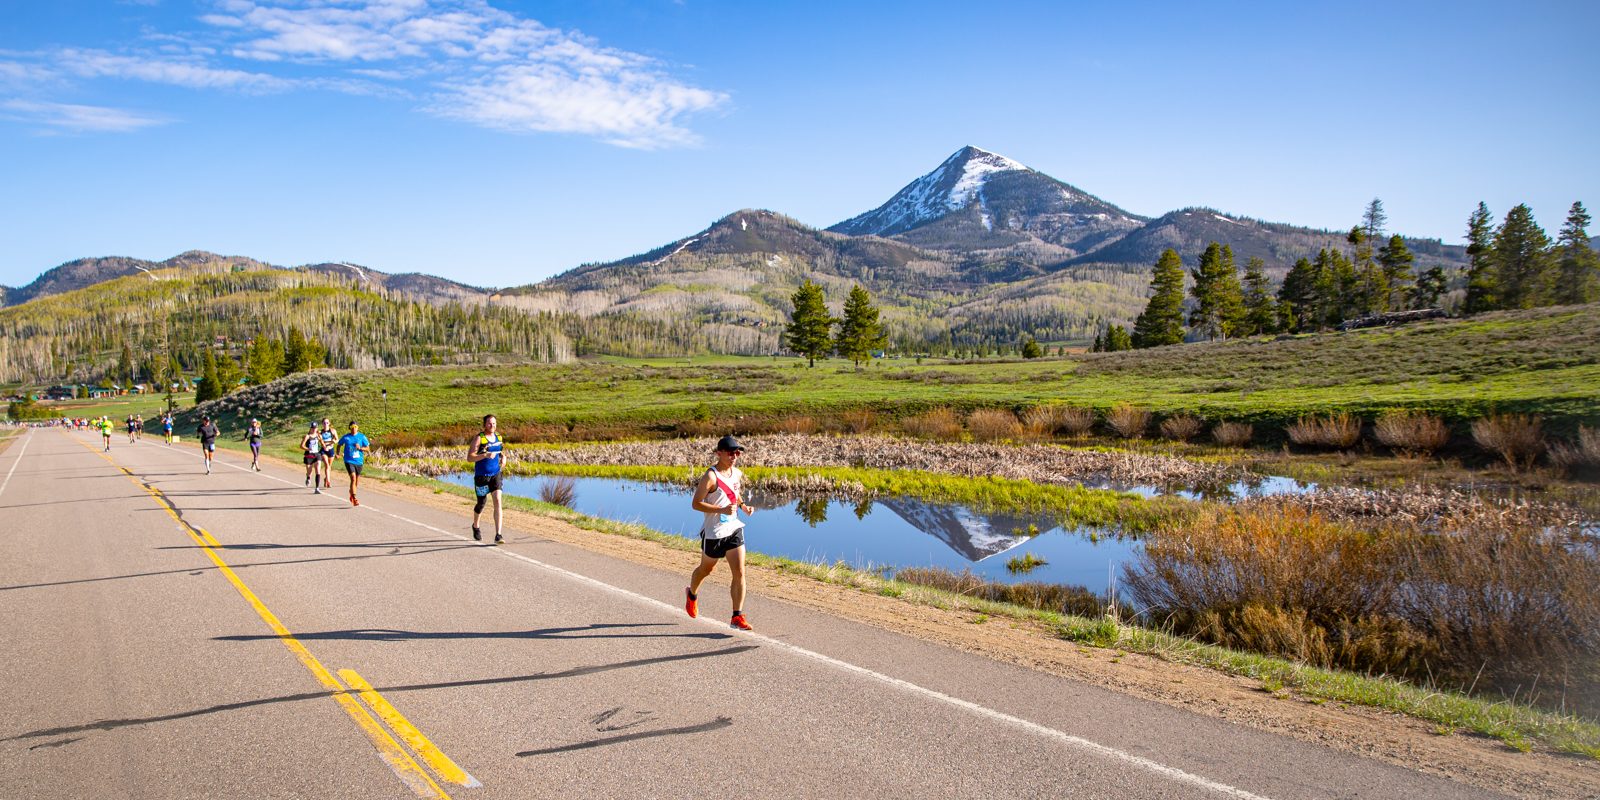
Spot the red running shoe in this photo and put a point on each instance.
(741, 623)
(690, 604)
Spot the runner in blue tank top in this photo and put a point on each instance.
(354, 445)
(486, 452)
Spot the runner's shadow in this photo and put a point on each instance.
(716, 724)
(244, 566)
(335, 545)
(113, 724)
(392, 635)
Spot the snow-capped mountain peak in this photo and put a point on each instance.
(952, 186)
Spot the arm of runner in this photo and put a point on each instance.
(700, 492)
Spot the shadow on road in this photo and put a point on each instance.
(716, 724)
(197, 569)
(391, 635)
(113, 724)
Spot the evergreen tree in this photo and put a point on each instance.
(1396, 260)
(1337, 287)
(1577, 265)
(1161, 323)
(1260, 312)
(1099, 343)
(264, 360)
(810, 328)
(1373, 221)
(125, 366)
(1297, 298)
(1430, 287)
(1482, 293)
(860, 333)
(1117, 339)
(1371, 291)
(1031, 349)
(1520, 260)
(209, 383)
(295, 357)
(228, 374)
(1219, 301)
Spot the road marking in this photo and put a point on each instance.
(442, 765)
(404, 766)
(1106, 751)
(20, 454)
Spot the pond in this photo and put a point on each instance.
(888, 533)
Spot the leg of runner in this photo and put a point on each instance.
(355, 480)
(736, 587)
(691, 593)
(497, 517)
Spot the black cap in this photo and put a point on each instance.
(729, 444)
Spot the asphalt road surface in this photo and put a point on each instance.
(169, 633)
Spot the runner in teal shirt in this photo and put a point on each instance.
(354, 446)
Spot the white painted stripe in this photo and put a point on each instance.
(20, 454)
(1156, 767)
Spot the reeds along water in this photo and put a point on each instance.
(1481, 602)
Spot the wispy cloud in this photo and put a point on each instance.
(185, 72)
(77, 118)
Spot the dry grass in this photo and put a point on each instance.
(1129, 422)
(1039, 596)
(1044, 422)
(1585, 452)
(1181, 428)
(940, 424)
(1516, 438)
(859, 420)
(562, 491)
(993, 425)
(1233, 434)
(1411, 434)
(796, 424)
(1334, 432)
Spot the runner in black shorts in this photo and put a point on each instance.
(254, 435)
(719, 496)
(311, 449)
(486, 452)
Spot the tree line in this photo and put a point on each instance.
(1513, 265)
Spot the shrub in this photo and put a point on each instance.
(562, 491)
(1589, 443)
(1127, 421)
(1335, 431)
(940, 423)
(993, 424)
(796, 424)
(1517, 438)
(1233, 434)
(1044, 596)
(1181, 428)
(859, 420)
(1074, 421)
(1411, 433)
(1043, 422)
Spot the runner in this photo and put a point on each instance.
(330, 440)
(105, 426)
(485, 453)
(132, 431)
(311, 447)
(722, 534)
(208, 440)
(166, 427)
(354, 445)
(138, 427)
(254, 435)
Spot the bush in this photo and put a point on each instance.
(1074, 421)
(859, 420)
(562, 491)
(1517, 438)
(1410, 433)
(1127, 421)
(940, 423)
(1233, 434)
(1335, 431)
(796, 424)
(1181, 428)
(1043, 422)
(993, 425)
(1583, 453)
(1043, 596)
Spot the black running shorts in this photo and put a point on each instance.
(484, 484)
(352, 467)
(718, 548)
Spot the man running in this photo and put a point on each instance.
(138, 426)
(354, 446)
(486, 454)
(311, 448)
(166, 427)
(253, 433)
(132, 431)
(722, 534)
(330, 441)
(208, 439)
(105, 426)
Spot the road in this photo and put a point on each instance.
(172, 634)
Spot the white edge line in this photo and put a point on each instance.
(20, 454)
(1106, 751)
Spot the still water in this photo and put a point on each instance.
(888, 533)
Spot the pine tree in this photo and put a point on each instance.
(125, 366)
(1482, 293)
(860, 333)
(1297, 298)
(1373, 221)
(1396, 260)
(1117, 339)
(228, 374)
(1219, 302)
(1430, 287)
(1099, 343)
(1520, 260)
(1371, 291)
(1337, 287)
(1161, 323)
(810, 328)
(1577, 264)
(264, 360)
(295, 357)
(209, 383)
(1260, 312)
(1031, 349)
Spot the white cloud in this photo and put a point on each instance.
(78, 118)
(176, 72)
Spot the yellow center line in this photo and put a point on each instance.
(441, 763)
(406, 767)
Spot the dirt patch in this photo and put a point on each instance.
(1392, 738)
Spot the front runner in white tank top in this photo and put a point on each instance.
(720, 497)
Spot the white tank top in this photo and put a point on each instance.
(720, 526)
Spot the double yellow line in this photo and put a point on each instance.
(410, 772)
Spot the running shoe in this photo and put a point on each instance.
(477, 535)
(690, 604)
(308, 480)
(317, 490)
(498, 538)
(353, 499)
(741, 623)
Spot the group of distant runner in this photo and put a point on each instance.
(719, 493)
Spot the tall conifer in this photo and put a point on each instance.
(1219, 301)
(1577, 264)
(1260, 312)
(1520, 260)
(1396, 260)
(1482, 293)
(810, 327)
(860, 333)
(1161, 323)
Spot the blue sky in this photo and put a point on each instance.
(499, 142)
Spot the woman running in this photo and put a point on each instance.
(254, 434)
(311, 447)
